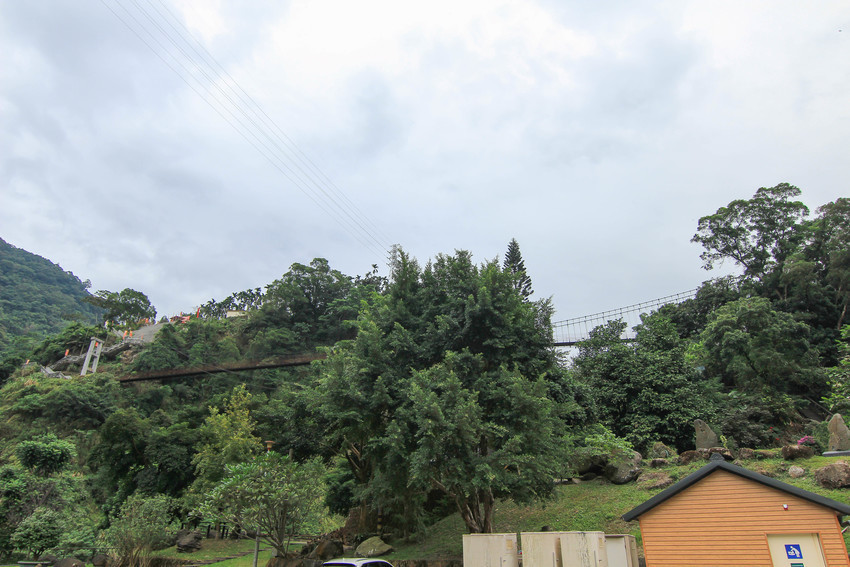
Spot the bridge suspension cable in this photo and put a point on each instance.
(572, 331)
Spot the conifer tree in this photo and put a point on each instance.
(515, 265)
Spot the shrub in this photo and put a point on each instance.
(143, 525)
(39, 532)
(45, 455)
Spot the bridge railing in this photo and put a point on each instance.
(571, 331)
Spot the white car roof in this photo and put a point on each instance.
(355, 561)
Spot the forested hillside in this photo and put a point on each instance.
(37, 298)
(440, 393)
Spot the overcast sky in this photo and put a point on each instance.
(595, 133)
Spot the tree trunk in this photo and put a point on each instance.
(477, 511)
(488, 504)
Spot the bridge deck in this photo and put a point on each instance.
(277, 362)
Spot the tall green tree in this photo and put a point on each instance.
(515, 265)
(644, 391)
(271, 494)
(473, 446)
(143, 525)
(229, 438)
(838, 398)
(313, 301)
(426, 315)
(829, 247)
(752, 347)
(39, 532)
(123, 308)
(758, 234)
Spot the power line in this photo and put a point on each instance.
(245, 97)
(211, 82)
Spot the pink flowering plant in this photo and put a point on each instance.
(807, 440)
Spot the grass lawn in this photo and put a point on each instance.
(588, 506)
(594, 506)
(247, 560)
(212, 548)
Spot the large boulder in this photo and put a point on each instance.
(188, 541)
(373, 547)
(688, 457)
(833, 475)
(327, 549)
(100, 560)
(746, 454)
(589, 464)
(839, 434)
(791, 452)
(705, 438)
(623, 470)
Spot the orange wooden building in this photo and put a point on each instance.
(724, 514)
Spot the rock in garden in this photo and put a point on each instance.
(189, 542)
(723, 452)
(48, 559)
(658, 463)
(327, 549)
(624, 470)
(589, 464)
(69, 562)
(766, 453)
(291, 562)
(655, 480)
(100, 560)
(688, 457)
(746, 454)
(661, 451)
(791, 452)
(705, 437)
(833, 475)
(839, 434)
(373, 547)
(796, 472)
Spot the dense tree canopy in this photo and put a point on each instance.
(448, 340)
(271, 494)
(125, 307)
(441, 392)
(645, 391)
(758, 233)
(37, 298)
(750, 346)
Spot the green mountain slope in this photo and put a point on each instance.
(37, 297)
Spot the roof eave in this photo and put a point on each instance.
(688, 481)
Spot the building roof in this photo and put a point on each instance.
(715, 465)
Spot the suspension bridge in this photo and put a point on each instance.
(570, 332)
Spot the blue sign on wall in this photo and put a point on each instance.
(793, 551)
